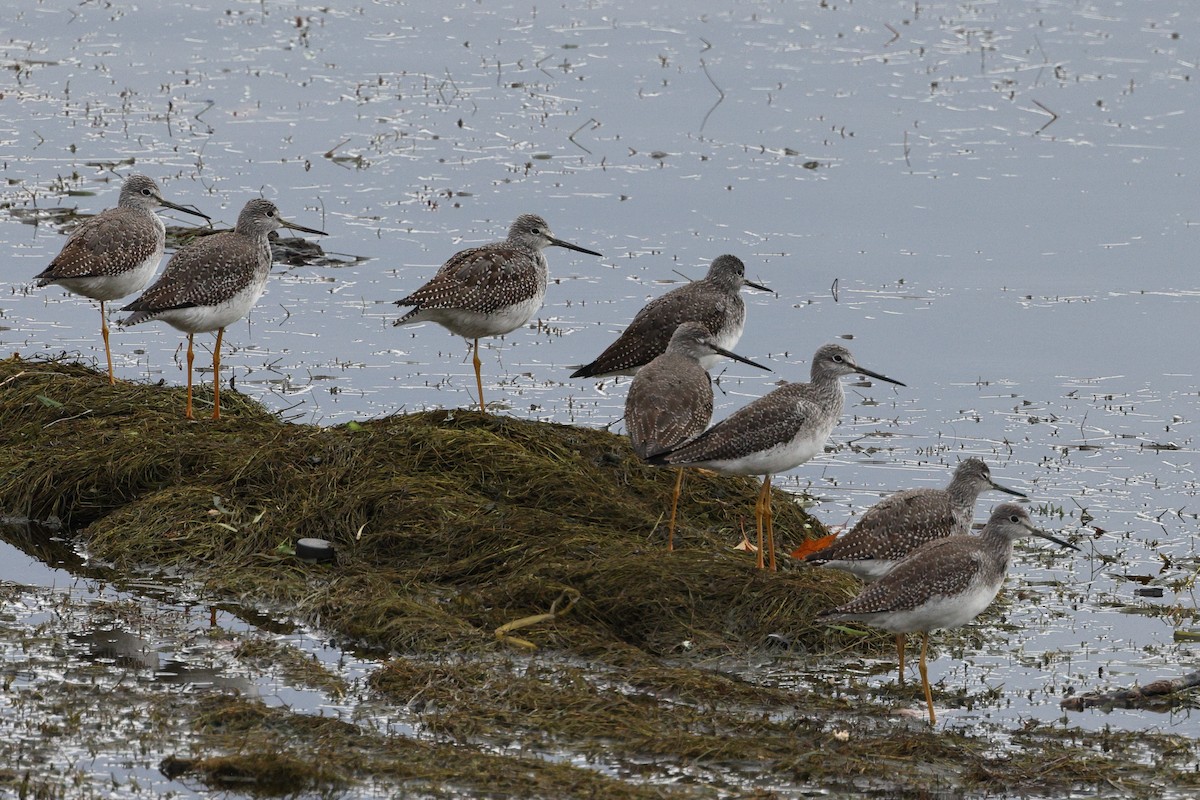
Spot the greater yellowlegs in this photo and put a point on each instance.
(214, 282)
(714, 300)
(489, 290)
(942, 584)
(902, 522)
(776, 432)
(114, 253)
(670, 400)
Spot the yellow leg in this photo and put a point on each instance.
(758, 519)
(107, 351)
(900, 654)
(925, 678)
(191, 357)
(770, 526)
(217, 375)
(478, 375)
(674, 506)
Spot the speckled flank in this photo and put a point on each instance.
(714, 301)
(902, 522)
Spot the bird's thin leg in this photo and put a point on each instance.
(674, 506)
(758, 519)
(900, 652)
(217, 375)
(107, 351)
(769, 521)
(478, 374)
(191, 357)
(925, 678)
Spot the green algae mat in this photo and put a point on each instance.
(513, 580)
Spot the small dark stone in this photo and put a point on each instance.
(314, 550)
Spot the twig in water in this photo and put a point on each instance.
(595, 123)
(208, 104)
(1155, 694)
(1037, 81)
(720, 92)
(329, 153)
(1053, 117)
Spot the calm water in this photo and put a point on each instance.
(1029, 276)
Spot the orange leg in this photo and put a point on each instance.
(925, 679)
(674, 506)
(191, 357)
(767, 515)
(217, 375)
(478, 375)
(900, 653)
(758, 519)
(107, 351)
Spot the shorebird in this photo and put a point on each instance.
(715, 301)
(214, 282)
(114, 253)
(489, 290)
(942, 584)
(776, 432)
(670, 400)
(902, 522)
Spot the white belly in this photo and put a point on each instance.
(942, 612)
(113, 287)
(200, 319)
(473, 324)
(773, 460)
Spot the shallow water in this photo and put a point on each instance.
(1001, 192)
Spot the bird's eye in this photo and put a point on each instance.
(1014, 518)
(147, 192)
(838, 358)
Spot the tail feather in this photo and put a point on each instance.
(135, 318)
(407, 316)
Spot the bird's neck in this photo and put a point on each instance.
(830, 393)
(962, 495)
(999, 549)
